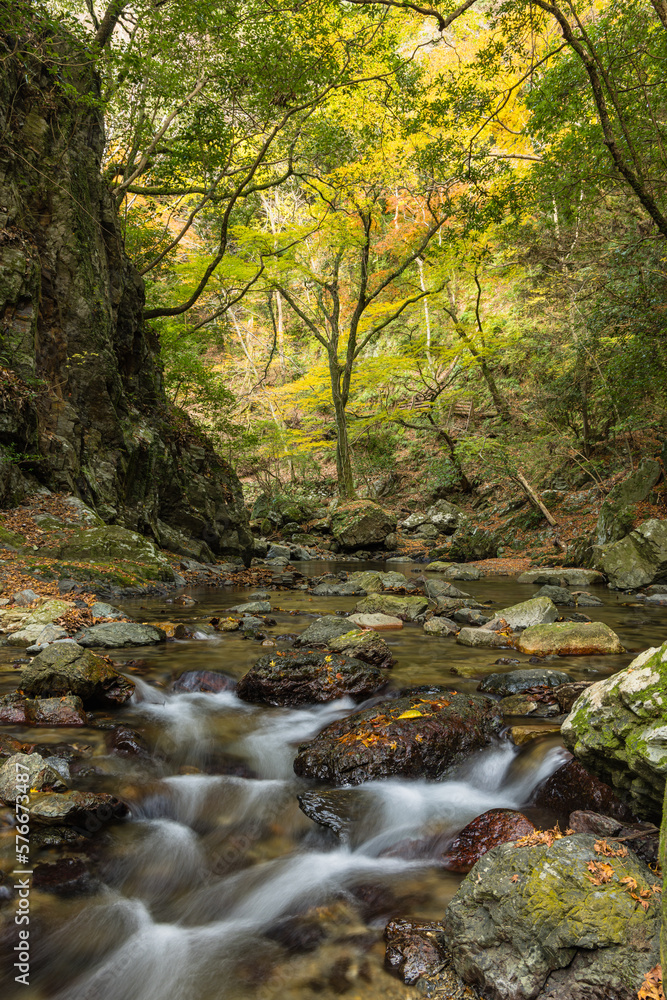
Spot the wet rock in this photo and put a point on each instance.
(412, 736)
(35, 638)
(454, 571)
(469, 544)
(617, 729)
(369, 581)
(585, 821)
(586, 600)
(567, 694)
(572, 787)
(102, 610)
(481, 637)
(528, 923)
(116, 545)
(337, 809)
(396, 606)
(555, 577)
(64, 877)
(322, 630)
(638, 559)
(414, 948)
(307, 677)
(20, 711)
(569, 639)
(126, 742)
(251, 608)
(362, 525)
(559, 595)
(497, 826)
(450, 604)
(85, 810)
(470, 616)
(364, 644)
(29, 770)
(338, 590)
(516, 681)
(517, 704)
(378, 622)
(441, 626)
(119, 635)
(209, 681)
(68, 668)
(441, 588)
(523, 734)
(301, 933)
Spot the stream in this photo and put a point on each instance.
(218, 885)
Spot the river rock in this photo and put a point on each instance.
(441, 626)
(100, 609)
(364, 644)
(559, 595)
(516, 681)
(64, 877)
(88, 810)
(322, 630)
(209, 681)
(369, 581)
(378, 623)
(68, 668)
(518, 704)
(412, 736)
(251, 608)
(119, 635)
(586, 600)
(567, 694)
(481, 638)
(554, 577)
(469, 544)
(362, 525)
(414, 948)
(529, 922)
(497, 826)
(638, 559)
(397, 606)
(125, 742)
(116, 545)
(572, 787)
(36, 635)
(335, 808)
(29, 770)
(338, 590)
(20, 711)
(618, 729)
(47, 612)
(537, 611)
(569, 639)
(441, 588)
(470, 616)
(308, 676)
(454, 571)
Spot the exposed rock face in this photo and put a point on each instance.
(414, 736)
(528, 922)
(617, 513)
(85, 390)
(307, 677)
(362, 525)
(638, 559)
(618, 729)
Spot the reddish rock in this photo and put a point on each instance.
(497, 826)
(20, 711)
(571, 788)
(414, 948)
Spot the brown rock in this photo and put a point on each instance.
(209, 681)
(67, 711)
(497, 826)
(572, 788)
(414, 948)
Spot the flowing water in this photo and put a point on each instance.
(218, 886)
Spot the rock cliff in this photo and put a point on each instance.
(82, 402)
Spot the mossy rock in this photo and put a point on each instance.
(12, 538)
(66, 668)
(124, 549)
(362, 525)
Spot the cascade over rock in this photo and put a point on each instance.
(82, 400)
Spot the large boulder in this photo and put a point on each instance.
(418, 735)
(638, 559)
(454, 571)
(569, 639)
(67, 668)
(469, 544)
(322, 630)
(115, 545)
(492, 828)
(17, 710)
(618, 730)
(308, 676)
(407, 608)
(572, 787)
(573, 577)
(362, 525)
(555, 921)
(617, 513)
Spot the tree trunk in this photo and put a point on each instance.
(343, 455)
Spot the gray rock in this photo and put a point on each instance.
(527, 923)
(638, 559)
(470, 616)
(36, 635)
(338, 590)
(68, 668)
(516, 681)
(586, 600)
(24, 598)
(569, 639)
(363, 644)
(454, 571)
(365, 526)
(537, 611)
(441, 588)
(117, 635)
(29, 770)
(251, 608)
(278, 551)
(440, 626)
(408, 608)
(481, 637)
(322, 630)
(617, 513)
(559, 595)
(101, 610)
(554, 577)
(469, 544)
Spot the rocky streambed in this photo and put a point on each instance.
(347, 783)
